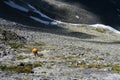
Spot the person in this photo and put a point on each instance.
(35, 51)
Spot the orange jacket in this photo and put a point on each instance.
(34, 50)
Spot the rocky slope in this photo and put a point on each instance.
(67, 52)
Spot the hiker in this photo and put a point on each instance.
(35, 51)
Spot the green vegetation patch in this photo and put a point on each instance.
(107, 53)
(37, 64)
(1, 47)
(15, 45)
(39, 44)
(115, 67)
(27, 49)
(25, 68)
(19, 69)
(96, 58)
(75, 64)
(96, 66)
(44, 72)
(41, 55)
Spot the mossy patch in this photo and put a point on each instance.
(19, 69)
(37, 64)
(15, 45)
(115, 67)
(38, 44)
(75, 64)
(107, 53)
(27, 49)
(41, 55)
(44, 72)
(96, 58)
(96, 66)
(84, 65)
(1, 47)
(25, 68)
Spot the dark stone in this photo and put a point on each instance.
(21, 64)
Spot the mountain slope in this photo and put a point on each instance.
(70, 52)
(71, 11)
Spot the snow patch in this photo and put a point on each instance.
(36, 11)
(60, 22)
(54, 22)
(94, 25)
(31, 6)
(106, 27)
(14, 5)
(39, 20)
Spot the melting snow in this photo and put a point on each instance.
(13, 5)
(94, 25)
(35, 10)
(106, 27)
(39, 20)
(55, 22)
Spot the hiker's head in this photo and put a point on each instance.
(34, 50)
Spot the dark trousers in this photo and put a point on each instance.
(36, 54)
